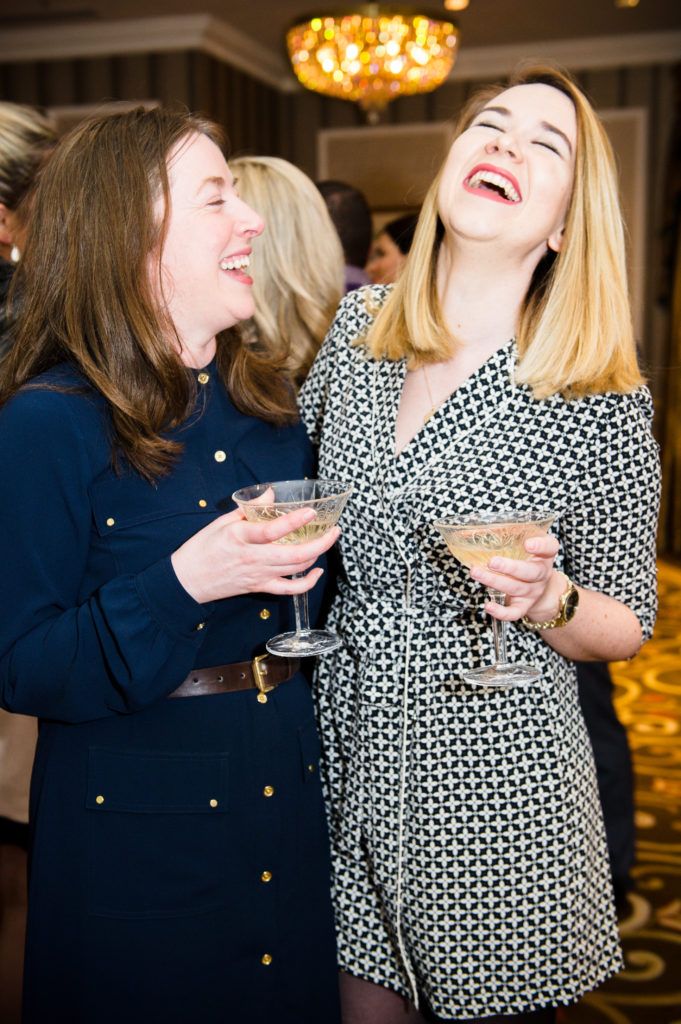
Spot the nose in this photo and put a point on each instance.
(504, 142)
(252, 223)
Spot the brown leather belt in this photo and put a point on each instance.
(262, 674)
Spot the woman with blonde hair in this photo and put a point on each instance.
(470, 865)
(298, 261)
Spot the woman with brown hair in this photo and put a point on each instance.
(179, 866)
(471, 874)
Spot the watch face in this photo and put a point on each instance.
(571, 602)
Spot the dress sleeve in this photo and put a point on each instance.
(64, 654)
(609, 537)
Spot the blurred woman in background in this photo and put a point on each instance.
(390, 248)
(298, 261)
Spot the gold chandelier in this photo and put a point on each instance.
(373, 55)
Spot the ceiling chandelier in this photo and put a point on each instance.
(373, 55)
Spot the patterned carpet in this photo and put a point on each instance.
(649, 704)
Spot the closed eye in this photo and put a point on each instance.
(547, 145)
(216, 202)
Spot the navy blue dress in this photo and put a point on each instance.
(164, 884)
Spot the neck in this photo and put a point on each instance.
(482, 293)
(197, 354)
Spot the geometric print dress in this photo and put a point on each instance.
(470, 865)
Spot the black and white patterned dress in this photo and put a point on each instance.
(469, 854)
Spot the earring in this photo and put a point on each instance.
(14, 254)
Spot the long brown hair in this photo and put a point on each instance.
(575, 334)
(92, 235)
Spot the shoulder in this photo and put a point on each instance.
(352, 322)
(359, 308)
(55, 407)
(632, 411)
(634, 408)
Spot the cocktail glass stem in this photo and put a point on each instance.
(300, 608)
(499, 628)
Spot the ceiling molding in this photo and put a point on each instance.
(213, 36)
(485, 62)
(200, 32)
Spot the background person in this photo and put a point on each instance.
(297, 262)
(351, 217)
(178, 863)
(389, 249)
(26, 139)
(470, 863)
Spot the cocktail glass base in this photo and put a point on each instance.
(304, 644)
(502, 676)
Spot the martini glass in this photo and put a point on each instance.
(474, 540)
(264, 502)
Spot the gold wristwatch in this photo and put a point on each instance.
(567, 606)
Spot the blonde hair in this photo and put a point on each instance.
(297, 262)
(575, 334)
(26, 137)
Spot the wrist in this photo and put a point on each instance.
(562, 598)
(548, 604)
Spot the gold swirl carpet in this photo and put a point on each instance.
(648, 699)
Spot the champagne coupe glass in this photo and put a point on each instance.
(263, 502)
(474, 540)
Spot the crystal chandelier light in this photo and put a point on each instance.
(373, 55)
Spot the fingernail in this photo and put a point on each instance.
(494, 563)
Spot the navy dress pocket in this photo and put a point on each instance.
(140, 522)
(159, 832)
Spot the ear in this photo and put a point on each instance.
(555, 240)
(6, 219)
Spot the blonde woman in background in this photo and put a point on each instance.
(470, 865)
(298, 261)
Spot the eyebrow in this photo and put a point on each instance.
(545, 125)
(216, 180)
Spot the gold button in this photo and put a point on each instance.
(219, 455)
(261, 698)
(265, 614)
(110, 521)
(202, 502)
(268, 791)
(311, 767)
(99, 799)
(266, 959)
(203, 378)
(213, 803)
(266, 876)
(201, 625)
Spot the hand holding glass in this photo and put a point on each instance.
(476, 539)
(264, 502)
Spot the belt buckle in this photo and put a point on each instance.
(259, 672)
